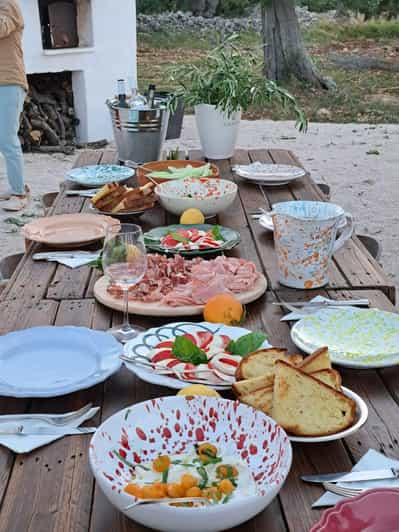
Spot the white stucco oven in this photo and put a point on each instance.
(95, 40)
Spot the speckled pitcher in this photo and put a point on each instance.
(305, 237)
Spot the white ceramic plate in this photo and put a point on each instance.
(362, 413)
(269, 174)
(143, 344)
(356, 338)
(53, 361)
(99, 174)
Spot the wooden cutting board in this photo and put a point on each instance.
(156, 309)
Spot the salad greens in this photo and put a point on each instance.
(217, 233)
(186, 351)
(246, 344)
(180, 173)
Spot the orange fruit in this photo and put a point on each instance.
(224, 308)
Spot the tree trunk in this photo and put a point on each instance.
(341, 11)
(284, 52)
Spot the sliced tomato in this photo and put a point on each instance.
(229, 362)
(205, 338)
(162, 355)
(166, 343)
(226, 340)
(169, 241)
(173, 363)
(187, 374)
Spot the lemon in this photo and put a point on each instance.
(132, 252)
(192, 216)
(198, 389)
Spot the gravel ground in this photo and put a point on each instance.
(359, 162)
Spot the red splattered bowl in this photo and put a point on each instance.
(172, 425)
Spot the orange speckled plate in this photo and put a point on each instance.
(68, 230)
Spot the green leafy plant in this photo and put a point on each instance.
(246, 344)
(231, 80)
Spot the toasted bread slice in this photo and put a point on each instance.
(248, 386)
(317, 361)
(260, 399)
(259, 363)
(305, 406)
(133, 202)
(295, 359)
(329, 376)
(106, 203)
(104, 191)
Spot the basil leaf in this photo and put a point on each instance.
(177, 237)
(217, 233)
(246, 344)
(165, 475)
(204, 477)
(186, 351)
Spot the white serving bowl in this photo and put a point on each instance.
(169, 425)
(209, 195)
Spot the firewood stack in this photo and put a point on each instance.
(48, 119)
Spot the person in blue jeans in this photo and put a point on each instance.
(13, 88)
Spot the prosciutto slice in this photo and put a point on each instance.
(179, 282)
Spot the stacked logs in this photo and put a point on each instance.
(48, 119)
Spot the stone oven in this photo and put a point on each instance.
(94, 40)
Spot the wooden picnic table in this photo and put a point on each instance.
(52, 488)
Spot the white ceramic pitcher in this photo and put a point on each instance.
(305, 238)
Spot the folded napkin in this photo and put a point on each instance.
(70, 259)
(26, 443)
(371, 460)
(294, 316)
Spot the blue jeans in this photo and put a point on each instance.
(11, 103)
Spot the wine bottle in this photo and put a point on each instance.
(122, 99)
(151, 96)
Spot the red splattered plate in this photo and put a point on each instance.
(373, 511)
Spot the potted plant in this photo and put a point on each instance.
(221, 86)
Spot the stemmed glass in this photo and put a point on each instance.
(124, 261)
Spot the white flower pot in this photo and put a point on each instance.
(217, 132)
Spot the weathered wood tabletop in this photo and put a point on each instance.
(52, 488)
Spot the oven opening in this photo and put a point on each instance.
(66, 24)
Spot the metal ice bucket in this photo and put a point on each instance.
(139, 133)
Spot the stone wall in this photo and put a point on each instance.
(185, 21)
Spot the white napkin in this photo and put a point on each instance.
(294, 316)
(81, 259)
(371, 460)
(26, 443)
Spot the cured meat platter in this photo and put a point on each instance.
(156, 309)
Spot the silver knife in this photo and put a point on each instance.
(20, 430)
(354, 476)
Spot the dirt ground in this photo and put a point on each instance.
(359, 162)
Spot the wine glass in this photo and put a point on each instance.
(124, 261)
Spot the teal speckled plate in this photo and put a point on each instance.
(99, 174)
(152, 239)
(356, 338)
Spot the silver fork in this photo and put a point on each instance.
(345, 492)
(141, 502)
(57, 421)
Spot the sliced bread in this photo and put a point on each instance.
(248, 386)
(329, 376)
(259, 363)
(317, 361)
(260, 399)
(304, 406)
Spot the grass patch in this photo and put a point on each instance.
(362, 96)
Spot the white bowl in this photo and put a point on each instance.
(210, 196)
(167, 425)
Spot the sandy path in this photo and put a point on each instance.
(364, 184)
